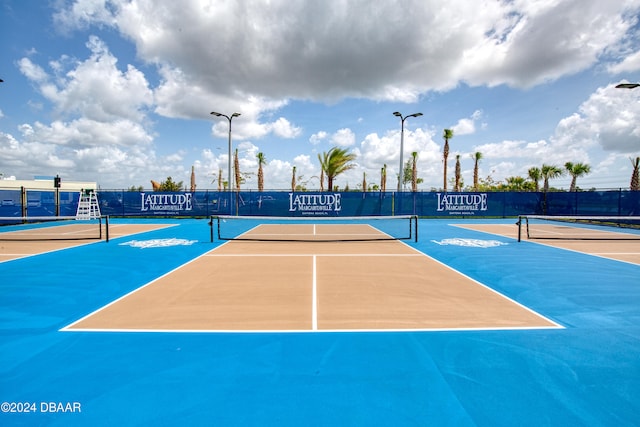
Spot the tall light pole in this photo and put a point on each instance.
(401, 170)
(228, 118)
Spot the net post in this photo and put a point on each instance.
(519, 224)
(211, 228)
(415, 219)
(106, 228)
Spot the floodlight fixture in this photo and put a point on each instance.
(402, 119)
(627, 85)
(229, 118)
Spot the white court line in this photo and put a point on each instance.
(23, 256)
(616, 253)
(314, 307)
(309, 234)
(309, 331)
(314, 329)
(129, 293)
(214, 255)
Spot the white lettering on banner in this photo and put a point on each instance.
(462, 204)
(166, 202)
(314, 204)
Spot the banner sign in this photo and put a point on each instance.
(165, 202)
(462, 204)
(347, 203)
(315, 204)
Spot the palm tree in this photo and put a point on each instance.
(447, 135)
(193, 179)
(458, 174)
(383, 178)
(338, 160)
(407, 171)
(293, 179)
(576, 170)
(635, 175)
(170, 185)
(261, 161)
(364, 181)
(476, 159)
(535, 174)
(218, 178)
(414, 171)
(322, 158)
(515, 183)
(550, 172)
(236, 169)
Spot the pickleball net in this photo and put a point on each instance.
(579, 227)
(41, 228)
(314, 229)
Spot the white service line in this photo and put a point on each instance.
(314, 302)
(616, 253)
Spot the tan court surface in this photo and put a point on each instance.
(52, 238)
(608, 245)
(306, 286)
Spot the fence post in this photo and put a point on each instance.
(619, 201)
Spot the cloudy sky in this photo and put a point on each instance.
(120, 91)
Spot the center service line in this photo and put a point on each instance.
(314, 302)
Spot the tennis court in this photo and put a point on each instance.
(465, 326)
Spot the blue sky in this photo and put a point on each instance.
(120, 92)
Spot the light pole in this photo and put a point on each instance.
(228, 118)
(402, 119)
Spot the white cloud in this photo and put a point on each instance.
(258, 57)
(318, 137)
(32, 71)
(375, 151)
(467, 126)
(542, 41)
(95, 89)
(284, 129)
(629, 64)
(86, 132)
(610, 118)
(344, 48)
(82, 14)
(343, 138)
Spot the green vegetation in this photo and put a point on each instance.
(170, 186)
(334, 162)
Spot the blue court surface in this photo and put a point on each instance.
(585, 373)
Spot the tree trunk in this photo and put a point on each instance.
(445, 156)
(236, 166)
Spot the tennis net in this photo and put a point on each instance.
(314, 229)
(39, 228)
(578, 227)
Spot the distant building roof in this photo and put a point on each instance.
(46, 183)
